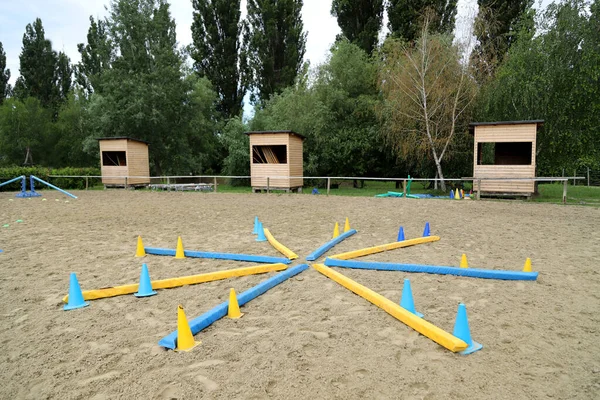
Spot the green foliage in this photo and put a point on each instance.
(496, 27)
(405, 17)
(25, 126)
(237, 162)
(553, 76)
(95, 56)
(428, 96)
(217, 51)
(276, 43)
(145, 94)
(337, 114)
(360, 21)
(44, 74)
(4, 76)
(44, 173)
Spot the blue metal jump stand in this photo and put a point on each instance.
(24, 192)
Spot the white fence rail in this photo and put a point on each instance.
(476, 180)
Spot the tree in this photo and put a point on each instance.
(96, 56)
(360, 21)
(37, 66)
(337, 112)
(63, 77)
(217, 52)
(405, 17)
(147, 95)
(428, 95)
(496, 27)
(26, 131)
(4, 76)
(276, 43)
(553, 76)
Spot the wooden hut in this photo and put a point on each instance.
(276, 155)
(505, 150)
(124, 157)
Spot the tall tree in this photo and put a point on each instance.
(360, 21)
(553, 76)
(26, 132)
(276, 44)
(145, 93)
(405, 17)
(95, 56)
(4, 76)
(217, 52)
(428, 94)
(496, 27)
(38, 66)
(63, 77)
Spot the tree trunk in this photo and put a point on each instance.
(441, 175)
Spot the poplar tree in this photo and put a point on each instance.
(37, 66)
(4, 76)
(95, 56)
(405, 17)
(496, 28)
(217, 52)
(359, 20)
(276, 44)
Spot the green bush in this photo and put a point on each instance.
(44, 173)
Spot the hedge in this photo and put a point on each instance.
(7, 173)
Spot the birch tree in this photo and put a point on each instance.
(428, 95)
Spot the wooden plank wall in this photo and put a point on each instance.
(294, 151)
(138, 162)
(505, 133)
(295, 160)
(111, 171)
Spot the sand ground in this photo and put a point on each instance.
(308, 337)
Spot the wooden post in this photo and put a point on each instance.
(564, 199)
(215, 184)
(574, 175)
(588, 175)
(86, 181)
(478, 189)
(125, 182)
(404, 188)
(268, 185)
(168, 184)
(328, 185)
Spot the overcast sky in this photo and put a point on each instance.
(66, 23)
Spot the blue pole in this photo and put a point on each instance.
(53, 187)
(12, 180)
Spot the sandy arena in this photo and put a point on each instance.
(308, 337)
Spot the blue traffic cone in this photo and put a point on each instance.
(145, 287)
(261, 233)
(462, 331)
(407, 301)
(451, 194)
(400, 234)
(426, 230)
(75, 295)
(255, 231)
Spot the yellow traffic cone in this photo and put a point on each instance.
(463, 261)
(140, 252)
(179, 252)
(336, 231)
(233, 311)
(527, 267)
(457, 195)
(185, 339)
(347, 225)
